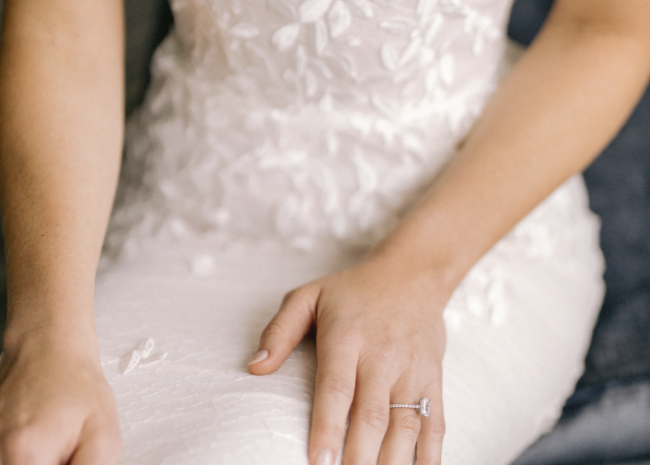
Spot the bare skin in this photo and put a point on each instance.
(380, 335)
(61, 129)
(60, 138)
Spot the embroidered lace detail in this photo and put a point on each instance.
(307, 121)
(319, 122)
(142, 355)
(561, 231)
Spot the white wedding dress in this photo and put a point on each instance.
(280, 139)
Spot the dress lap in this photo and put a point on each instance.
(276, 138)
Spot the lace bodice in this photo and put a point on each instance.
(403, 59)
(309, 120)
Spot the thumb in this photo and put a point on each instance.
(287, 328)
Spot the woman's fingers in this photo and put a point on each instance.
(405, 423)
(370, 353)
(429, 448)
(335, 388)
(369, 419)
(287, 328)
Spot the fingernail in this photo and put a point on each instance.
(324, 457)
(261, 355)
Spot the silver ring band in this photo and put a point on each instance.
(423, 407)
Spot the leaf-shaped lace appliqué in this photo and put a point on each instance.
(311, 10)
(286, 36)
(244, 30)
(339, 18)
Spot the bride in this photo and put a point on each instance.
(348, 130)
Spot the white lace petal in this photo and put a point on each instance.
(311, 10)
(244, 30)
(322, 37)
(339, 18)
(363, 7)
(389, 57)
(286, 36)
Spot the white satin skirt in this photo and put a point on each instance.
(178, 324)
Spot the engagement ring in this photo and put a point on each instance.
(423, 407)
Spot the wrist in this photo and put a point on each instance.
(408, 263)
(41, 326)
(405, 256)
(436, 238)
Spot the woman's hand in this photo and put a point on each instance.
(379, 340)
(379, 328)
(56, 407)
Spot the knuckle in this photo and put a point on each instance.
(109, 445)
(409, 425)
(273, 330)
(340, 336)
(412, 356)
(374, 415)
(289, 296)
(20, 444)
(386, 347)
(102, 435)
(296, 295)
(339, 386)
(411, 374)
(109, 436)
(435, 370)
(383, 352)
(349, 332)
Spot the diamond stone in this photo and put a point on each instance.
(424, 407)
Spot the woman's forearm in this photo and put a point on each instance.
(61, 120)
(554, 113)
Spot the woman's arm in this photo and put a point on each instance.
(379, 331)
(61, 123)
(562, 104)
